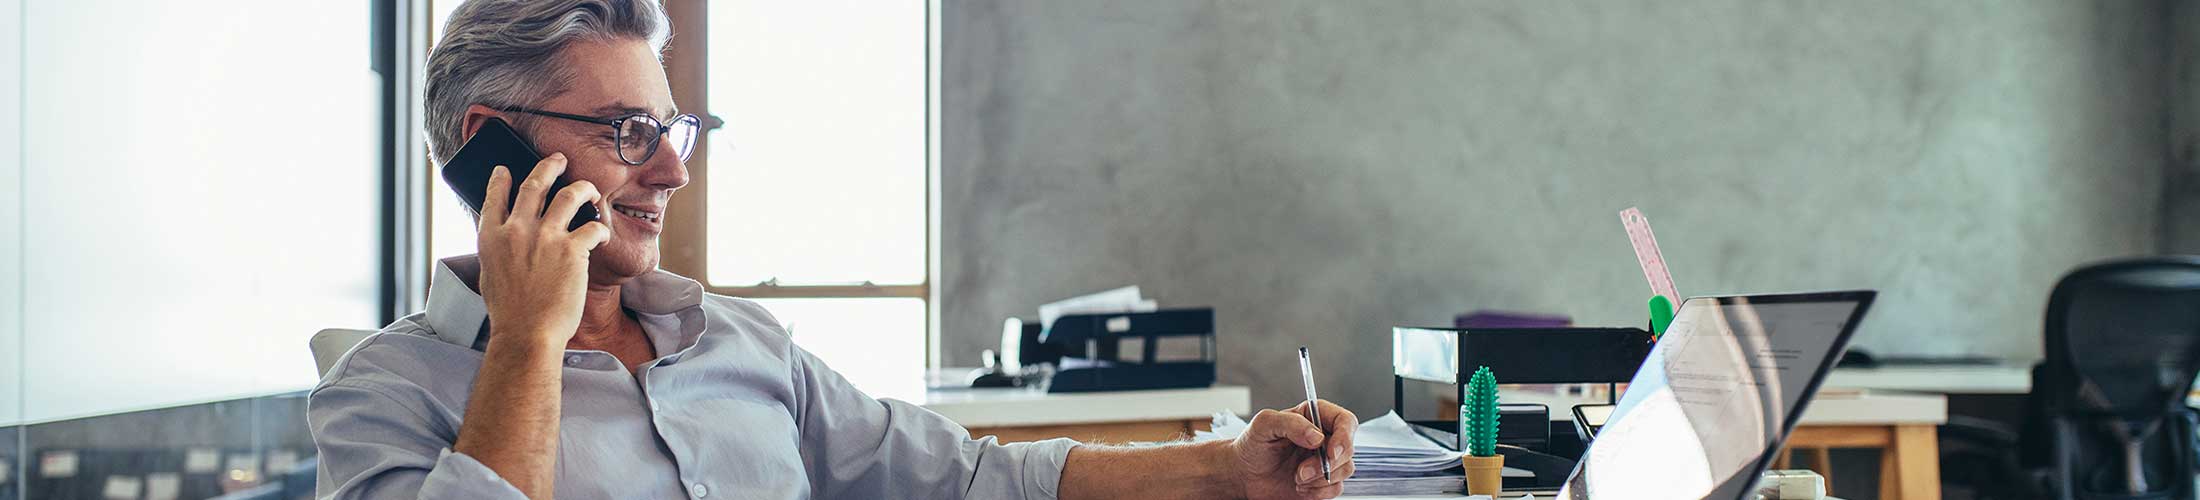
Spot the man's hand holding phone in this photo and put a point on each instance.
(534, 272)
(534, 280)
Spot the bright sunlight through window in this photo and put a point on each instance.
(818, 177)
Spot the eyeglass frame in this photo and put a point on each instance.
(618, 132)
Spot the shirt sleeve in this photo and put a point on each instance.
(858, 447)
(373, 447)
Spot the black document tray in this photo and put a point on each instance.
(1096, 339)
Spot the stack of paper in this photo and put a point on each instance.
(1385, 447)
(1388, 458)
(1388, 447)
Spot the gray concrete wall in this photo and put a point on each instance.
(2180, 223)
(1320, 171)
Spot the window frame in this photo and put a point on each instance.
(685, 243)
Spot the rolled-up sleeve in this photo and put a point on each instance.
(859, 447)
(374, 447)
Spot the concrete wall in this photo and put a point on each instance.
(2180, 224)
(1320, 171)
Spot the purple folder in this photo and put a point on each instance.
(1510, 319)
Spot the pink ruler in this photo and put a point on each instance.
(1646, 253)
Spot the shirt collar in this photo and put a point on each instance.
(457, 314)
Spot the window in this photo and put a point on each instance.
(813, 194)
(816, 189)
(450, 228)
(195, 201)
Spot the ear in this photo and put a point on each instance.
(476, 115)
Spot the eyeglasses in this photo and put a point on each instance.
(637, 134)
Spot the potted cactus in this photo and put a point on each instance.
(1478, 431)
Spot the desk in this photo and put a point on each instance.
(1027, 414)
(1903, 426)
(2000, 378)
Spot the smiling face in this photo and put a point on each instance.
(610, 79)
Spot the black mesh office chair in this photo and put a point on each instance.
(2123, 345)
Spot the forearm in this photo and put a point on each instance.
(1204, 470)
(511, 422)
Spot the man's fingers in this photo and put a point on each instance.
(1342, 425)
(567, 204)
(1339, 471)
(591, 235)
(493, 207)
(1310, 472)
(1288, 426)
(537, 186)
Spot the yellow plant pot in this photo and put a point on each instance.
(1485, 475)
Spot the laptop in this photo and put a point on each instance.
(1717, 396)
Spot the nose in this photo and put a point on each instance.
(665, 170)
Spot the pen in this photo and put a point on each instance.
(1313, 408)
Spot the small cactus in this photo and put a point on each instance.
(1478, 414)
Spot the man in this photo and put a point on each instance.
(562, 362)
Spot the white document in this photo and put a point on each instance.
(1125, 299)
(1383, 447)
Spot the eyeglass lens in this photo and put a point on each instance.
(639, 136)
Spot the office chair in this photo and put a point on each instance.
(330, 345)
(2109, 418)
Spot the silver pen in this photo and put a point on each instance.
(1313, 407)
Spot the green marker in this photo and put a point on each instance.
(1661, 315)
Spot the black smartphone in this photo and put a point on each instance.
(497, 144)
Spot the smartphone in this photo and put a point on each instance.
(497, 144)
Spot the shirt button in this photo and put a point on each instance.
(573, 360)
(698, 490)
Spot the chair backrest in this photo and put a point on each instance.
(331, 344)
(2122, 349)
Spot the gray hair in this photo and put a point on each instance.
(502, 53)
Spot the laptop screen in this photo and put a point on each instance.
(1724, 384)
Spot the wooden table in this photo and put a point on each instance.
(1915, 442)
(1903, 426)
(1015, 415)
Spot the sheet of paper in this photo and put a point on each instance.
(1384, 447)
(1125, 299)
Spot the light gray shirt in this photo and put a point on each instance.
(731, 408)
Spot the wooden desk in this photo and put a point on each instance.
(1023, 414)
(1903, 426)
